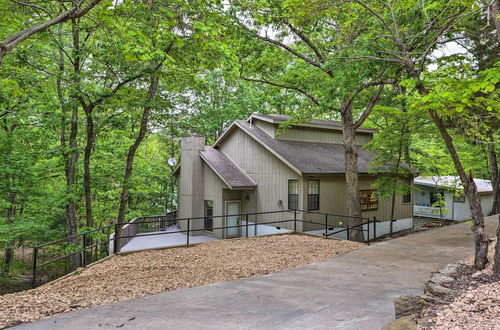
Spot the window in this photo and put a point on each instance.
(209, 213)
(293, 194)
(369, 200)
(313, 195)
(407, 197)
(459, 199)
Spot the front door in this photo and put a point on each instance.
(232, 218)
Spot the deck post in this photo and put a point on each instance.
(347, 231)
(374, 227)
(187, 236)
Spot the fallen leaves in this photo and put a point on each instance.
(149, 272)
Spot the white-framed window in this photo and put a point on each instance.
(293, 194)
(313, 195)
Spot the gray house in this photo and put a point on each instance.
(450, 189)
(252, 168)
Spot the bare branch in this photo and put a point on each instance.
(305, 39)
(74, 12)
(374, 100)
(371, 58)
(282, 45)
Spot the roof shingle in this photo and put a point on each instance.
(309, 157)
(234, 177)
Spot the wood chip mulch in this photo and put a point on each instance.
(473, 304)
(149, 272)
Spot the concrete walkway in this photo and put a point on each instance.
(169, 237)
(353, 291)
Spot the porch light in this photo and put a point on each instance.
(247, 198)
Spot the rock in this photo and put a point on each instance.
(408, 305)
(436, 289)
(439, 278)
(450, 269)
(403, 323)
(433, 300)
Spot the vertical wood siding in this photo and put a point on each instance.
(320, 135)
(270, 174)
(333, 200)
(269, 128)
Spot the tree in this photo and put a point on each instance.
(43, 12)
(423, 25)
(300, 47)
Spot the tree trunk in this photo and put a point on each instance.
(496, 264)
(495, 182)
(495, 174)
(351, 174)
(12, 199)
(69, 148)
(494, 11)
(470, 188)
(124, 198)
(480, 238)
(9, 251)
(86, 166)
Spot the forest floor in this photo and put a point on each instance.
(146, 273)
(474, 301)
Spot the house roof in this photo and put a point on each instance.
(320, 123)
(483, 186)
(307, 157)
(232, 176)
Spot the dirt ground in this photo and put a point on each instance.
(474, 302)
(149, 272)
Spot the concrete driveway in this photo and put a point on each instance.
(353, 291)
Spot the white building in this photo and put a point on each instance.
(456, 203)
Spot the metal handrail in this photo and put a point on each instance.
(189, 230)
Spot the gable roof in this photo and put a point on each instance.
(318, 123)
(307, 157)
(483, 186)
(227, 171)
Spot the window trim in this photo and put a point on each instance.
(318, 194)
(288, 193)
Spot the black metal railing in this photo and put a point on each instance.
(54, 259)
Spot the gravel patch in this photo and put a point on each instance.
(473, 304)
(145, 273)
